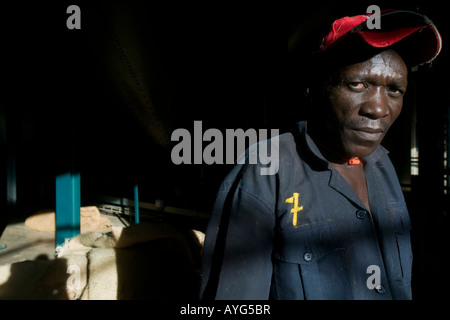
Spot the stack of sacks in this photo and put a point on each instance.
(145, 261)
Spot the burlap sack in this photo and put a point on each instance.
(90, 221)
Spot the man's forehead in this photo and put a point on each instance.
(384, 64)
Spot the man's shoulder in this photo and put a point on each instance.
(252, 168)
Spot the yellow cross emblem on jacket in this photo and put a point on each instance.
(296, 208)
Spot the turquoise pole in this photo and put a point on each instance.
(136, 204)
(68, 204)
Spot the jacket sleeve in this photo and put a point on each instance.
(237, 255)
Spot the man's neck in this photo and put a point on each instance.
(328, 152)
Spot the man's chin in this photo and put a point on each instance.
(361, 151)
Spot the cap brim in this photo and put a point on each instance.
(388, 38)
(418, 35)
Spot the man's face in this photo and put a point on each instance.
(364, 103)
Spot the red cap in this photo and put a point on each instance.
(395, 25)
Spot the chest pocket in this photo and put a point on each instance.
(309, 263)
(307, 244)
(401, 226)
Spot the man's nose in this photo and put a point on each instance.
(376, 106)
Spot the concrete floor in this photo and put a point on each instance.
(23, 243)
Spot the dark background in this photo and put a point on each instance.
(104, 100)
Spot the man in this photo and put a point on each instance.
(332, 223)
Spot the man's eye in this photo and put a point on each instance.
(396, 91)
(357, 86)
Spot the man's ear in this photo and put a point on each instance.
(309, 96)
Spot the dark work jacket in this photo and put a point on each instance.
(335, 248)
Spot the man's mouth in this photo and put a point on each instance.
(369, 133)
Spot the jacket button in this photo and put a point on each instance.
(380, 289)
(307, 256)
(361, 214)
